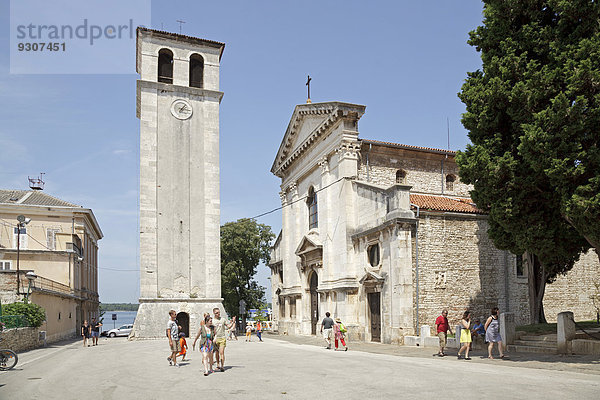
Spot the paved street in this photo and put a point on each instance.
(282, 369)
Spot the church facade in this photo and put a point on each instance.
(383, 235)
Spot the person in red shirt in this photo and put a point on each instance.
(442, 327)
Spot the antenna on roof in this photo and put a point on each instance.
(180, 22)
(37, 183)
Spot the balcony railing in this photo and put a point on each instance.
(41, 283)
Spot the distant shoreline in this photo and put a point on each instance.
(119, 306)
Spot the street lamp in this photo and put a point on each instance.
(20, 225)
(31, 276)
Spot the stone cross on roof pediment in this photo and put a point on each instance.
(308, 123)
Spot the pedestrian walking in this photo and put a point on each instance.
(173, 336)
(95, 331)
(259, 330)
(231, 334)
(85, 332)
(492, 333)
(442, 328)
(220, 342)
(465, 335)
(248, 332)
(326, 329)
(339, 330)
(183, 345)
(206, 335)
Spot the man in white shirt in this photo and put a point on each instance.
(173, 335)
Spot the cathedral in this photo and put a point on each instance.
(384, 236)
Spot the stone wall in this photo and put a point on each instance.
(21, 339)
(459, 269)
(423, 170)
(572, 291)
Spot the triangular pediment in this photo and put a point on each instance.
(371, 277)
(308, 123)
(309, 243)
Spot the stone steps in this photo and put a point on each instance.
(531, 349)
(536, 343)
(543, 338)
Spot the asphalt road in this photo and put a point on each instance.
(275, 369)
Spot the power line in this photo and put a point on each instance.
(297, 200)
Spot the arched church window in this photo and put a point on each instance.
(196, 71)
(311, 201)
(373, 253)
(401, 176)
(450, 182)
(165, 66)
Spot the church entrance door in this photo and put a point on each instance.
(183, 320)
(375, 311)
(314, 303)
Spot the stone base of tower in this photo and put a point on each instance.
(153, 315)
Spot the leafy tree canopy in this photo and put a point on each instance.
(244, 244)
(533, 118)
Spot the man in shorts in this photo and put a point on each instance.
(221, 327)
(95, 327)
(173, 336)
(442, 327)
(327, 328)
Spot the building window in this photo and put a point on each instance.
(401, 176)
(373, 253)
(292, 307)
(196, 71)
(450, 182)
(165, 66)
(20, 238)
(281, 275)
(311, 201)
(519, 263)
(51, 238)
(4, 265)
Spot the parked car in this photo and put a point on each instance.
(123, 330)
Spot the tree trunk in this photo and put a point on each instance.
(536, 277)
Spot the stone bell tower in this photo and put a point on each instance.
(178, 101)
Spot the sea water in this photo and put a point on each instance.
(123, 318)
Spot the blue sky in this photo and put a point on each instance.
(404, 60)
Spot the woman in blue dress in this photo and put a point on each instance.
(492, 333)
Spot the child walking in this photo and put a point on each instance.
(183, 345)
(339, 330)
(248, 333)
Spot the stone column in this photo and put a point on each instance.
(507, 329)
(565, 332)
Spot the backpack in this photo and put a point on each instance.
(342, 327)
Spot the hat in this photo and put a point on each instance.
(182, 334)
(338, 320)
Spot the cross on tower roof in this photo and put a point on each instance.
(308, 84)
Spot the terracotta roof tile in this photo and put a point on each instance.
(442, 203)
(409, 147)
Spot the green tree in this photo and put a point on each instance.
(34, 314)
(244, 244)
(527, 50)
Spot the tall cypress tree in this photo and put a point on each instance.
(532, 116)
